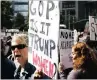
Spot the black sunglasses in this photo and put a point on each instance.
(20, 46)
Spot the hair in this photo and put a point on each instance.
(38, 75)
(85, 56)
(23, 38)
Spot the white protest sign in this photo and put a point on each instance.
(93, 28)
(66, 40)
(43, 35)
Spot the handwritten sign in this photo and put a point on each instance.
(93, 28)
(66, 40)
(43, 35)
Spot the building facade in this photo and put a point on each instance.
(20, 6)
(75, 14)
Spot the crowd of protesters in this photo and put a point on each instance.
(15, 65)
(15, 59)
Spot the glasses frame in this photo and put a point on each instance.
(19, 46)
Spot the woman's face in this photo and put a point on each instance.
(21, 55)
(74, 56)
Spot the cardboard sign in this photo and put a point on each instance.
(43, 35)
(93, 28)
(66, 40)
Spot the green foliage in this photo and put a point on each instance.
(19, 22)
(6, 14)
(26, 24)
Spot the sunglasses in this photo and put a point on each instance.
(20, 46)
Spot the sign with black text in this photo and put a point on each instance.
(43, 35)
(93, 28)
(66, 40)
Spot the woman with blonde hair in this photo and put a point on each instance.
(19, 46)
(84, 62)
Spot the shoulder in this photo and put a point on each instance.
(74, 74)
(9, 63)
(7, 69)
(30, 68)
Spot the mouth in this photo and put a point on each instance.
(17, 55)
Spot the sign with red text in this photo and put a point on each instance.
(93, 28)
(66, 40)
(43, 35)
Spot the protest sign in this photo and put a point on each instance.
(93, 28)
(66, 40)
(43, 35)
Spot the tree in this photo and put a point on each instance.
(6, 14)
(26, 23)
(19, 22)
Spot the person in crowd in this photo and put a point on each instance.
(62, 72)
(84, 62)
(8, 46)
(7, 66)
(19, 46)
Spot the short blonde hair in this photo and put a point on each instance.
(23, 38)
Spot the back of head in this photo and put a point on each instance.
(81, 48)
(84, 55)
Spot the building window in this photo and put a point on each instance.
(68, 4)
(63, 12)
(21, 0)
(71, 12)
(21, 7)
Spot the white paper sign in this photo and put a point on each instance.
(93, 28)
(66, 40)
(43, 35)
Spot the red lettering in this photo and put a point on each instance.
(35, 62)
(36, 59)
(44, 64)
(51, 69)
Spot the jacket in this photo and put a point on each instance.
(29, 69)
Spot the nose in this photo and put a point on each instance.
(16, 50)
(71, 55)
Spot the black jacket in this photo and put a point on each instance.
(29, 69)
(80, 74)
(7, 68)
(64, 73)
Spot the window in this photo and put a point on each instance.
(21, 7)
(68, 4)
(71, 12)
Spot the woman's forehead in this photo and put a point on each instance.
(72, 50)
